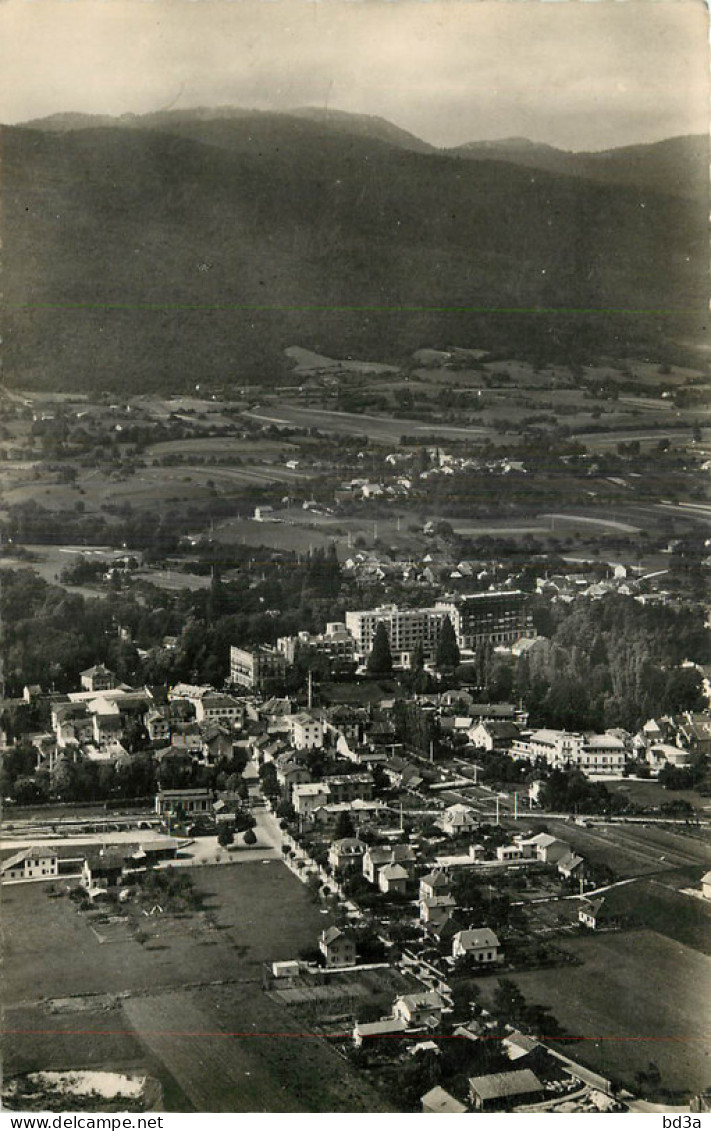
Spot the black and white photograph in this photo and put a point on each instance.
(355, 558)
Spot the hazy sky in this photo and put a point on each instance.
(573, 73)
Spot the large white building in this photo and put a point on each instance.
(477, 618)
(254, 668)
(591, 753)
(306, 731)
(406, 628)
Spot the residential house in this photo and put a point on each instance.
(493, 735)
(439, 1102)
(393, 878)
(216, 744)
(595, 913)
(291, 773)
(358, 811)
(419, 1009)
(435, 910)
(434, 884)
(481, 945)
(570, 865)
(256, 668)
(346, 855)
(458, 819)
(501, 1090)
(706, 885)
(372, 1030)
(378, 855)
(216, 707)
(103, 871)
(30, 864)
(694, 732)
(98, 678)
(107, 720)
(664, 754)
(309, 797)
(349, 787)
(509, 853)
(157, 724)
(544, 847)
(306, 731)
(337, 947)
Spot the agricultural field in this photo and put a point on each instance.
(635, 849)
(657, 905)
(234, 1050)
(245, 915)
(634, 998)
(384, 429)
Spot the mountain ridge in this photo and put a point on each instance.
(146, 257)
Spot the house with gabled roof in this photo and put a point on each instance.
(439, 1102)
(372, 1030)
(393, 878)
(434, 884)
(594, 913)
(418, 1009)
(544, 847)
(378, 855)
(481, 945)
(338, 947)
(436, 909)
(570, 865)
(346, 855)
(500, 1090)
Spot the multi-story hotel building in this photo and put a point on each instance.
(591, 753)
(477, 618)
(254, 667)
(489, 618)
(406, 629)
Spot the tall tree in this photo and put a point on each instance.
(380, 661)
(448, 655)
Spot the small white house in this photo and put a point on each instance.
(481, 945)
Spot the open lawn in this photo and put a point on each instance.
(637, 997)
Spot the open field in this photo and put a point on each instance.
(234, 1050)
(657, 906)
(651, 793)
(635, 850)
(250, 914)
(637, 997)
(385, 429)
(260, 913)
(257, 449)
